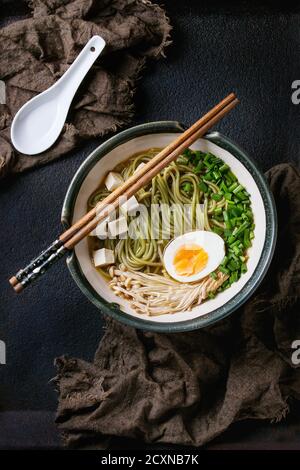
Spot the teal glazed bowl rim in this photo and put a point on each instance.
(112, 309)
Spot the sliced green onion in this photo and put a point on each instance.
(215, 159)
(217, 230)
(236, 243)
(218, 210)
(224, 261)
(238, 230)
(183, 160)
(243, 268)
(198, 168)
(234, 276)
(223, 168)
(226, 219)
(233, 265)
(208, 176)
(203, 186)
(232, 187)
(238, 188)
(223, 187)
(187, 153)
(207, 164)
(217, 175)
(239, 196)
(225, 285)
(187, 187)
(223, 270)
(217, 197)
(232, 176)
(197, 155)
(236, 250)
(247, 242)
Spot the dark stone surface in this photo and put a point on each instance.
(249, 48)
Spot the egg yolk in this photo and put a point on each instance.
(189, 260)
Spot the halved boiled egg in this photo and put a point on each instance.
(192, 256)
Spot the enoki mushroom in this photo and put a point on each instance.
(153, 294)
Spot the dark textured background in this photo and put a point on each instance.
(247, 47)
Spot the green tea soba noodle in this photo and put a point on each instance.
(196, 192)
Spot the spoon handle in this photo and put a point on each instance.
(72, 78)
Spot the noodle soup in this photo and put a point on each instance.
(197, 194)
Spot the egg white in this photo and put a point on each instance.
(211, 242)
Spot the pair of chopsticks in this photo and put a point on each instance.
(68, 239)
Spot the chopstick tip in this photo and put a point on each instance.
(13, 281)
(18, 288)
(16, 285)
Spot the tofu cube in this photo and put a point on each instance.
(103, 257)
(139, 167)
(130, 206)
(117, 227)
(113, 181)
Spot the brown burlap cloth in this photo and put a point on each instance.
(187, 388)
(36, 51)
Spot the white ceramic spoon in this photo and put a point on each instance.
(37, 125)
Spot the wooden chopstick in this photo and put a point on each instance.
(143, 171)
(148, 175)
(68, 239)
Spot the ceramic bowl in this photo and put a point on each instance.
(159, 134)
